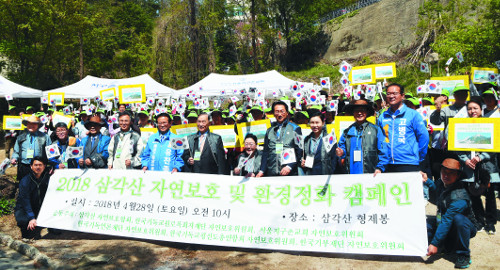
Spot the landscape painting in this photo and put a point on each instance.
(474, 135)
(132, 93)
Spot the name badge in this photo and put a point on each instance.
(197, 155)
(309, 161)
(279, 148)
(357, 155)
(118, 153)
(30, 153)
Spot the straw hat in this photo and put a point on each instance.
(32, 119)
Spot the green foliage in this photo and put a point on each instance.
(6, 206)
(467, 26)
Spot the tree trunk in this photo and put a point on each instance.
(80, 38)
(193, 34)
(254, 38)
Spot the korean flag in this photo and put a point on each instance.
(493, 77)
(498, 64)
(332, 105)
(348, 92)
(52, 151)
(344, 81)
(288, 156)
(325, 82)
(74, 152)
(232, 110)
(150, 101)
(4, 165)
(424, 67)
(234, 99)
(299, 140)
(44, 100)
(460, 57)
(179, 143)
(329, 141)
(8, 97)
(422, 89)
(433, 86)
(216, 103)
(345, 68)
(84, 101)
(259, 94)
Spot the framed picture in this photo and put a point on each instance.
(362, 75)
(12, 123)
(146, 133)
(108, 94)
(449, 82)
(60, 117)
(343, 122)
(385, 71)
(186, 129)
(473, 134)
(480, 75)
(57, 97)
(229, 137)
(257, 128)
(132, 93)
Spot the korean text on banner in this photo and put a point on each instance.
(358, 214)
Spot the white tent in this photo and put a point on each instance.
(91, 86)
(214, 83)
(16, 90)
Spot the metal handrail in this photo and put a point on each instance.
(341, 11)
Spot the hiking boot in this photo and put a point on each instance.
(463, 261)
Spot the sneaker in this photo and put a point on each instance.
(463, 261)
(490, 232)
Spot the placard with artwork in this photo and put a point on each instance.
(473, 134)
(132, 93)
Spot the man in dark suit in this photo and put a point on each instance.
(206, 152)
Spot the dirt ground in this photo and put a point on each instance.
(125, 253)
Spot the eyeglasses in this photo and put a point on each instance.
(249, 144)
(393, 93)
(60, 131)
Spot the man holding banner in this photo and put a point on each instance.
(158, 154)
(280, 150)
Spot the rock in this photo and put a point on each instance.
(93, 260)
(432, 57)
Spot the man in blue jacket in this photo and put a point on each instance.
(158, 155)
(405, 132)
(453, 225)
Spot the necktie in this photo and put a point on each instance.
(202, 142)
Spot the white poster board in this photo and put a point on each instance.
(356, 214)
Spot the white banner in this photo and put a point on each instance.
(351, 214)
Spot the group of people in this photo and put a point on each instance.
(399, 141)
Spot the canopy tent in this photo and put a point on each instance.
(16, 90)
(91, 86)
(214, 83)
